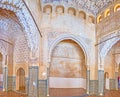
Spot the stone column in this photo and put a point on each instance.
(5, 73)
(27, 84)
(88, 82)
(101, 77)
(100, 82)
(48, 81)
(33, 81)
(33, 76)
(14, 83)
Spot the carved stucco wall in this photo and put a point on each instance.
(26, 20)
(68, 61)
(21, 51)
(13, 34)
(21, 54)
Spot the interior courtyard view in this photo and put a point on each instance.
(59, 48)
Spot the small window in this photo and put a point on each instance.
(99, 18)
(117, 8)
(71, 11)
(59, 9)
(82, 15)
(91, 19)
(107, 12)
(47, 9)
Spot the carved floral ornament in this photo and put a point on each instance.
(94, 6)
(25, 19)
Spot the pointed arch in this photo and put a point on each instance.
(79, 41)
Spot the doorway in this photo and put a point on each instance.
(20, 80)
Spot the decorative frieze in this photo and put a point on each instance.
(112, 84)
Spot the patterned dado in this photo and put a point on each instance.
(93, 87)
(64, 64)
(42, 88)
(112, 84)
(11, 83)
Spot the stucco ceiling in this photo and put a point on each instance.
(93, 6)
(9, 24)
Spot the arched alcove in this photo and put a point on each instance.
(71, 11)
(111, 66)
(47, 9)
(59, 10)
(20, 80)
(68, 68)
(91, 19)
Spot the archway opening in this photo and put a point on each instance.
(20, 80)
(111, 66)
(67, 70)
(1, 72)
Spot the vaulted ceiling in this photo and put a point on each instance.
(93, 6)
(9, 25)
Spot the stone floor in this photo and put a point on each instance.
(11, 94)
(63, 93)
(80, 93)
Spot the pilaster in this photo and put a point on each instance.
(101, 82)
(5, 73)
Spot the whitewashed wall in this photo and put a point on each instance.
(57, 82)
